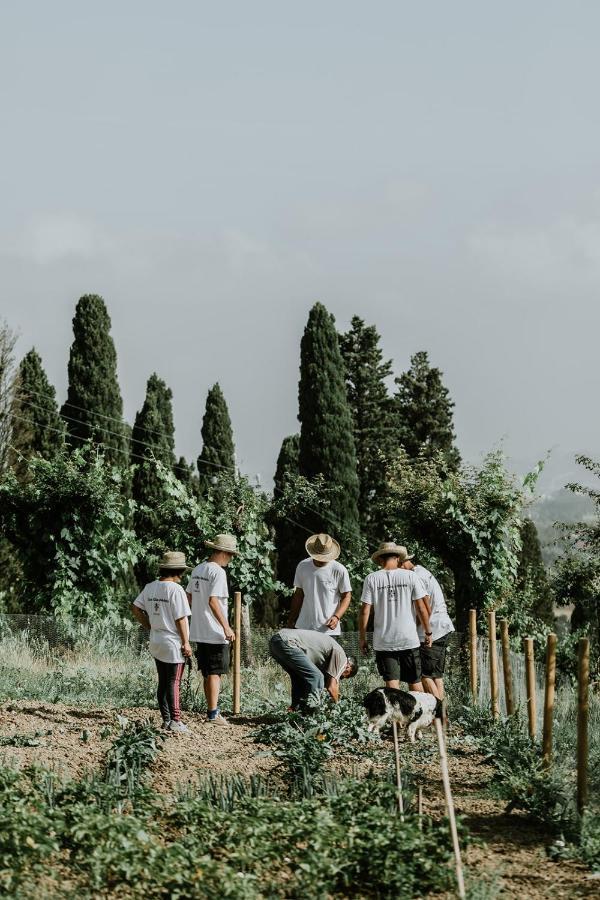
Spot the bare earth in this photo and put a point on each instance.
(513, 853)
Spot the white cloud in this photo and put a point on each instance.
(52, 237)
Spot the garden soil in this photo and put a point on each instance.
(510, 850)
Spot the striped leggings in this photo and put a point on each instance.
(169, 681)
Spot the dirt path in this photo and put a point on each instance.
(510, 852)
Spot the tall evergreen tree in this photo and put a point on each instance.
(288, 538)
(186, 473)
(326, 430)
(93, 409)
(218, 450)
(38, 429)
(370, 404)
(423, 412)
(531, 574)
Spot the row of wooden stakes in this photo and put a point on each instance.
(583, 679)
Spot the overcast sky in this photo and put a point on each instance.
(214, 169)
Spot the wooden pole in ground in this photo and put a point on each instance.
(583, 674)
(237, 652)
(530, 687)
(420, 806)
(549, 698)
(398, 773)
(450, 807)
(493, 654)
(473, 652)
(507, 668)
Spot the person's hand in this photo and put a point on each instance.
(187, 649)
(428, 640)
(364, 647)
(230, 634)
(333, 622)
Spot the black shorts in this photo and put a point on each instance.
(433, 659)
(213, 659)
(399, 665)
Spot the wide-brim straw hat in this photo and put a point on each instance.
(323, 547)
(227, 543)
(390, 548)
(173, 560)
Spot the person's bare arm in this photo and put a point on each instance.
(215, 608)
(341, 608)
(332, 685)
(363, 621)
(295, 608)
(189, 596)
(141, 616)
(183, 628)
(427, 602)
(423, 614)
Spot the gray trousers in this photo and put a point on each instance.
(305, 677)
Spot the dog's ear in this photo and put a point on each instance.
(374, 703)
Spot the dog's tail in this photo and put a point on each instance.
(439, 709)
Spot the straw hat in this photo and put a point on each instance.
(322, 547)
(389, 547)
(224, 542)
(173, 560)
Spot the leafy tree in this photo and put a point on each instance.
(469, 518)
(38, 429)
(531, 574)
(326, 429)
(68, 522)
(93, 409)
(153, 439)
(217, 459)
(289, 541)
(370, 404)
(423, 410)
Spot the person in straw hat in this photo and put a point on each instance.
(396, 597)
(322, 584)
(162, 608)
(208, 593)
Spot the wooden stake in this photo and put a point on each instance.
(549, 698)
(420, 806)
(493, 654)
(583, 674)
(507, 668)
(398, 773)
(237, 652)
(530, 688)
(450, 807)
(473, 652)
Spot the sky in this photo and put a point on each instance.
(212, 170)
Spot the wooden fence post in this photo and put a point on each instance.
(549, 698)
(507, 668)
(493, 654)
(237, 652)
(530, 687)
(583, 674)
(473, 652)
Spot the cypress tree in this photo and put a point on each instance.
(38, 429)
(288, 538)
(326, 430)
(423, 411)
(153, 439)
(370, 404)
(93, 409)
(186, 474)
(218, 451)
(531, 574)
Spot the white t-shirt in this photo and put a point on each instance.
(440, 622)
(164, 602)
(322, 587)
(392, 593)
(207, 580)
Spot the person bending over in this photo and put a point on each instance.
(162, 608)
(313, 661)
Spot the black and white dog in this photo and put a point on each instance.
(412, 710)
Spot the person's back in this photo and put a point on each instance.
(206, 580)
(164, 602)
(392, 593)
